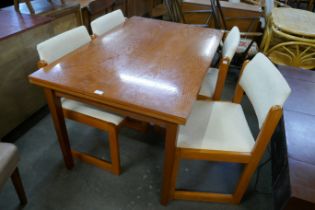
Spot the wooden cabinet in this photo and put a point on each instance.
(140, 7)
(19, 35)
(243, 15)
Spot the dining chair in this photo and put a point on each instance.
(57, 47)
(218, 131)
(97, 8)
(107, 22)
(213, 83)
(9, 159)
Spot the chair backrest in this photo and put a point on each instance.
(231, 43)
(107, 22)
(62, 44)
(264, 85)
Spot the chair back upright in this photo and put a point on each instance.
(264, 86)
(62, 44)
(231, 43)
(107, 22)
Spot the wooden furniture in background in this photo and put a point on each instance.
(289, 38)
(231, 12)
(141, 7)
(158, 11)
(293, 146)
(19, 35)
(151, 69)
(218, 131)
(29, 5)
(224, 16)
(55, 48)
(98, 8)
(9, 159)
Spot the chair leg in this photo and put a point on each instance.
(174, 174)
(17, 182)
(29, 6)
(114, 149)
(244, 182)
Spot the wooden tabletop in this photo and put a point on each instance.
(145, 66)
(295, 21)
(299, 120)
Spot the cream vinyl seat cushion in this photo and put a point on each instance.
(57, 47)
(91, 111)
(216, 126)
(209, 82)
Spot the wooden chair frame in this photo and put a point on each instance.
(114, 165)
(223, 70)
(251, 160)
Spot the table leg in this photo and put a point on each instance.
(169, 157)
(56, 112)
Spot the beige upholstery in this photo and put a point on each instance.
(209, 82)
(264, 86)
(228, 50)
(222, 125)
(9, 158)
(216, 126)
(218, 131)
(62, 44)
(57, 47)
(231, 42)
(8, 161)
(91, 111)
(107, 22)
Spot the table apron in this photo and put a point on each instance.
(162, 121)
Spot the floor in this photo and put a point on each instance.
(49, 185)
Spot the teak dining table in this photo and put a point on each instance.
(146, 69)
